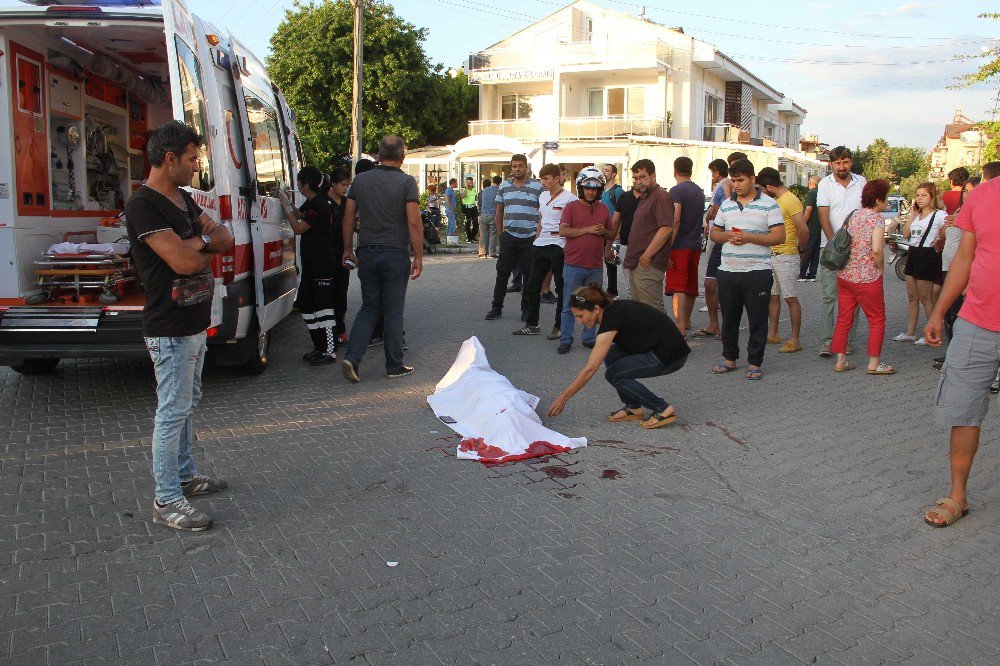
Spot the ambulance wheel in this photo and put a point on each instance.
(35, 366)
(257, 363)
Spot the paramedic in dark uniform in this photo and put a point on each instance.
(172, 243)
(314, 223)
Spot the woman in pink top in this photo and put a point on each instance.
(859, 282)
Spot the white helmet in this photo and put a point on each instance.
(590, 178)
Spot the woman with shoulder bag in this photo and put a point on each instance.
(859, 280)
(923, 261)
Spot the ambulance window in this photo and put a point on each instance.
(299, 155)
(263, 122)
(195, 112)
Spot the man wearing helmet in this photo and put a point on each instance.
(586, 225)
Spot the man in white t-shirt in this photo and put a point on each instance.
(837, 196)
(547, 250)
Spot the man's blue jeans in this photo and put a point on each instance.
(177, 363)
(384, 273)
(575, 277)
(452, 227)
(622, 371)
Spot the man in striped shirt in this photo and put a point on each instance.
(517, 223)
(749, 224)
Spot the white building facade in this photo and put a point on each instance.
(589, 85)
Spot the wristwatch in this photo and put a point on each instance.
(207, 240)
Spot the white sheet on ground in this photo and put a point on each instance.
(497, 421)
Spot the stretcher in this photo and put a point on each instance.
(67, 278)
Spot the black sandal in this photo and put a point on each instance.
(657, 420)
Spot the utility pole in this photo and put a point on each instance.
(359, 59)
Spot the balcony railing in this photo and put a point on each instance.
(610, 128)
(528, 130)
(520, 64)
(571, 128)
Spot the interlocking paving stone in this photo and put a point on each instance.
(758, 529)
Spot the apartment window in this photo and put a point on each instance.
(618, 102)
(595, 103)
(713, 110)
(515, 107)
(636, 101)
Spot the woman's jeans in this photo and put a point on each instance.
(177, 363)
(623, 370)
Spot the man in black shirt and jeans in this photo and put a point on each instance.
(172, 244)
(386, 201)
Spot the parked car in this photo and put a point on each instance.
(896, 213)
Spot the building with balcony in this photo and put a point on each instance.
(961, 144)
(589, 85)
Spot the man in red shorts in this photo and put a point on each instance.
(685, 253)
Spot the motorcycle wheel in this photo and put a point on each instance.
(901, 267)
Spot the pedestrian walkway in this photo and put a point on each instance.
(747, 532)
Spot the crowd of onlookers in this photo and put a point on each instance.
(764, 244)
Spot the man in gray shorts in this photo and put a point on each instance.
(973, 358)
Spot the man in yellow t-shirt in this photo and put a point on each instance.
(470, 211)
(785, 259)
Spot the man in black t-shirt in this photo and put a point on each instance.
(625, 208)
(172, 244)
(386, 201)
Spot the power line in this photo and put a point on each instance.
(772, 26)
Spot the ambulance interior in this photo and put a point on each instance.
(85, 98)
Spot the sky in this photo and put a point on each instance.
(861, 68)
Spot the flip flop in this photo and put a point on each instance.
(847, 366)
(947, 509)
(658, 420)
(755, 374)
(702, 333)
(883, 369)
(626, 415)
(722, 368)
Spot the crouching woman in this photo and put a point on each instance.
(634, 341)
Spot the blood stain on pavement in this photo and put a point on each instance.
(558, 472)
(729, 435)
(611, 474)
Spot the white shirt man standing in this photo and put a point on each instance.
(837, 196)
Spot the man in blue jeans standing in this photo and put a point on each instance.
(172, 243)
(586, 225)
(386, 201)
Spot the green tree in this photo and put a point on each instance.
(312, 61)
(905, 161)
(987, 72)
(876, 162)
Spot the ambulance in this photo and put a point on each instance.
(84, 84)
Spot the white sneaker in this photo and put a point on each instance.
(703, 308)
(922, 342)
(903, 337)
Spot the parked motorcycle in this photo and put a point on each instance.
(899, 246)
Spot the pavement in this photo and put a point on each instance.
(776, 522)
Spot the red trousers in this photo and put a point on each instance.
(871, 297)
